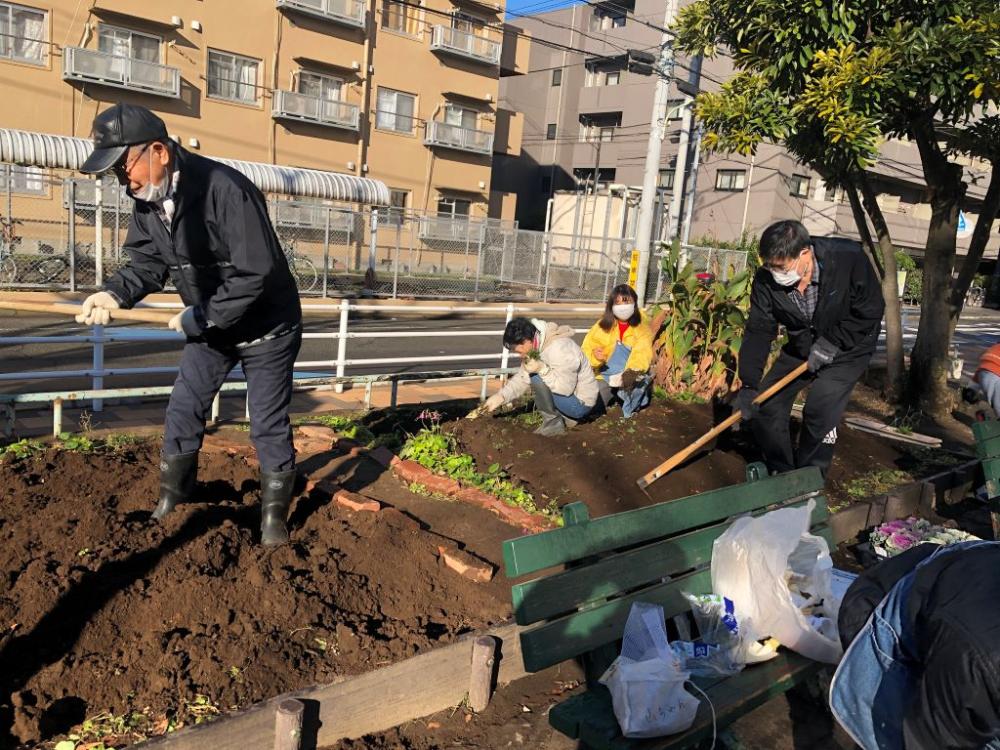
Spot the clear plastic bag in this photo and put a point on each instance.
(779, 578)
(725, 645)
(646, 681)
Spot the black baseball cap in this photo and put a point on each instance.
(117, 128)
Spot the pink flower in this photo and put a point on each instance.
(902, 540)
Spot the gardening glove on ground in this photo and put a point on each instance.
(821, 354)
(188, 322)
(96, 309)
(628, 379)
(493, 403)
(535, 366)
(743, 403)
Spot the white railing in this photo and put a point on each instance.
(315, 109)
(85, 195)
(457, 137)
(458, 42)
(451, 228)
(302, 215)
(329, 373)
(348, 12)
(91, 66)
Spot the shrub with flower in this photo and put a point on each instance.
(893, 537)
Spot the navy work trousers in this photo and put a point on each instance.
(267, 367)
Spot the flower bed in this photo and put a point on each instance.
(893, 537)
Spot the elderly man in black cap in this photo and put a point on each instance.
(205, 227)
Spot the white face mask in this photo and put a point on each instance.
(150, 192)
(786, 278)
(623, 312)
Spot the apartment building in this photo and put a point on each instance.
(586, 119)
(403, 91)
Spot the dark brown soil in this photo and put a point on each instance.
(102, 610)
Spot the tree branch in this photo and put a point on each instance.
(980, 238)
(866, 236)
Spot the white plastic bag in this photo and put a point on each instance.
(646, 680)
(779, 577)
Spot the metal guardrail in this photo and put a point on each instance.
(464, 44)
(101, 336)
(314, 109)
(347, 12)
(457, 137)
(92, 66)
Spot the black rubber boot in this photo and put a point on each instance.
(552, 421)
(177, 477)
(276, 490)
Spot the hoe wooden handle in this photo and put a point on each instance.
(681, 456)
(144, 316)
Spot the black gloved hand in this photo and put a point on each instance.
(744, 404)
(972, 394)
(628, 379)
(821, 354)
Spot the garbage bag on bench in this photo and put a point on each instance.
(779, 577)
(646, 680)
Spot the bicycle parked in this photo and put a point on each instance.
(55, 268)
(303, 269)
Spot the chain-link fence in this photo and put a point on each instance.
(333, 249)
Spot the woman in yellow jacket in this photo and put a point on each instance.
(620, 349)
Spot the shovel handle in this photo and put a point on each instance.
(683, 455)
(144, 316)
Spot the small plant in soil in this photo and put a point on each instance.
(76, 443)
(529, 419)
(22, 449)
(418, 489)
(876, 482)
(347, 426)
(200, 709)
(120, 442)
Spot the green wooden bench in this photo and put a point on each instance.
(652, 554)
(987, 436)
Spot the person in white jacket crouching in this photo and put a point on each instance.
(555, 368)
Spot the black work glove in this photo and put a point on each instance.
(821, 354)
(743, 403)
(971, 394)
(628, 379)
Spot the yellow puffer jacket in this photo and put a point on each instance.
(639, 338)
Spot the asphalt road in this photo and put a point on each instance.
(979, 329)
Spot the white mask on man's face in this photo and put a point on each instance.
(788, 277)
(152, 192)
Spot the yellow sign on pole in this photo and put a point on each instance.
(633, 268)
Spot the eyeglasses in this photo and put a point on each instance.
(121, 168)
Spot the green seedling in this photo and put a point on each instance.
(22, 449)
(76, 443)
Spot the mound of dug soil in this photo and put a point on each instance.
(103, 610)
(599, 462)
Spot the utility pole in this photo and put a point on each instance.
(665, 73)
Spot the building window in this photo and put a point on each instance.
(400, 17)
(23, 180)
(733, 180)
(603, 74)
(398, 202)
(467, 23)
(546, 184)
(395, 111)
(557, 77)
(327, 88)
(586, 174)
(830, 196)
(232, 77)
(454, 207)
(128, 44)
(667, 179)
(604, 19)
(23, 33)
(461, 117)
(599, 127)
(550, 131)
(798, 185)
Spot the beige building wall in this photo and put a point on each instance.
(286, 42)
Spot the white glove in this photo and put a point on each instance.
(96, 309)
(494, 402)
(535, 366)
(185, 322)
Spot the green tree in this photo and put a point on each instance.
(832, 81)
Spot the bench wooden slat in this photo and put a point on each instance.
(550, 548)
(589, 717)
(986, 449)
(560, 593)
(987, 430)
(580, 632)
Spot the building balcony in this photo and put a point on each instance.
(345, 12)
(312, 216)
(463, 44)
(91, 66)
(290, 105)
(86, 191)
(451, 228)
(459, 138)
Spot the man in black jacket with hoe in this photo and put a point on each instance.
(205, 227)
(826, 295)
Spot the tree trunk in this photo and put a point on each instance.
(930, 361)
(895, 367)
(977, 245)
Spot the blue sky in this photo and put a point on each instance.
(535, 6)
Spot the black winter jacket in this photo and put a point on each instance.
(953, 613)
(848, 312)
(221, 253)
